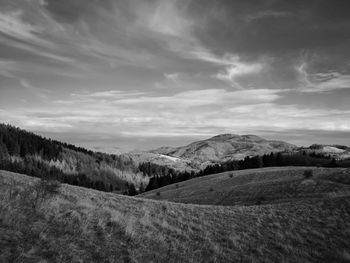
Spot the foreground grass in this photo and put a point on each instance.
(72, 224)
(257, 186)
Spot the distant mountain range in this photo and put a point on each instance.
(217, 149)
(227, 147)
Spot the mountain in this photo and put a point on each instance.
(225, 147)
(46, 222)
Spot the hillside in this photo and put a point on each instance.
(178, 164)
(73, 224)
(339, 152)
(26, 152)
(225, 147)
(257, 186)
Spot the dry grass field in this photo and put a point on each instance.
(257, 186)
(45, 222)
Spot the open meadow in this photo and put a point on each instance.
(258, 186)
(43, 221)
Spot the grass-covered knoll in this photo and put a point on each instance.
(43, 222)
(258, 186)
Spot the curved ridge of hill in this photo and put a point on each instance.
(75, 224)
(258, 186)
(340, 152)
(226, 147)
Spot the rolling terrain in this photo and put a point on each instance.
(339, 152)
(257, 186)
(47, 222)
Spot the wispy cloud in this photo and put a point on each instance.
(25, 36)
(321, 81)
(11, 24)
(167, 20)
(236, 69)
(266, 14)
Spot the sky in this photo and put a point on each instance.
(116, 75)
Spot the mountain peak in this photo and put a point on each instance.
(224, 136)
(228, 136)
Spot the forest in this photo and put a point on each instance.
(25, 152)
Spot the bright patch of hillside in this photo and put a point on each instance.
(82, 225)
(175, 163)
(257, 186)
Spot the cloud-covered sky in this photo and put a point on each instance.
(119, 75)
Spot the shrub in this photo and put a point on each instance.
(43, 189)
(308, 173)
(158, 193)
(230, 175)
(164, 208)
(211, 189)
(260, 200)
(47, 187)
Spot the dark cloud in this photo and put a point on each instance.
(73, 10)
(279, 26)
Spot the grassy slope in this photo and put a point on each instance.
(266, 185)
(80, 224)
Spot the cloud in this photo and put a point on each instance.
(42, 93)
(43, 2)
(160, 20)
(321, 81)
(266, 14)
(108, 95)
(172, 76)
(165, 67)
(12, 24)
(167, 20)
(206, 112)
(236, 69)
(33, 37)
(329, 81)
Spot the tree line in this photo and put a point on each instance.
(161, 179)
(25, 152)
